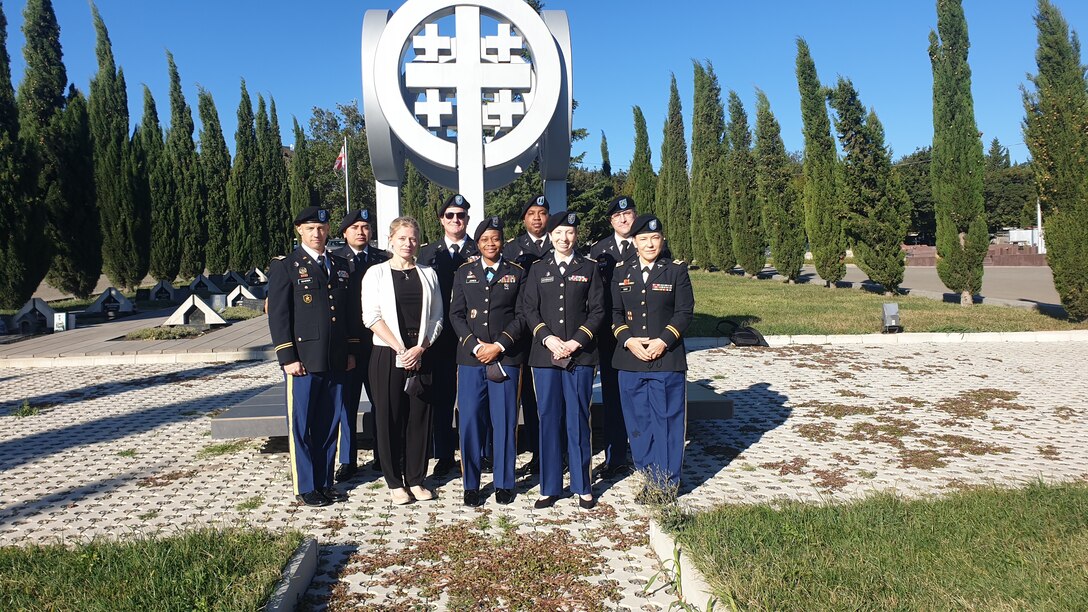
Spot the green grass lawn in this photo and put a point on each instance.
(775, 308)
(983, 549)
(202, 570)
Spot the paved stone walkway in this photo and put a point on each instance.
(120, 451)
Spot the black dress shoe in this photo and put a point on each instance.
(504, 496)
(443, 467)
(533, 467)
(333, 495)
(485, 466)
(587, 504)
(606, 471)
(314, 499)
(346, 471)
(546, 502)
(473, 499)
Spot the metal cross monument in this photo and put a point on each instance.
(470, 110)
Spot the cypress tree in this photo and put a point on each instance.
(745, 217)
(641, 180)
(108, 110)
(823, 214)
(414, 197)
(707, 195)
(303, 193)
(243, 197)
(20, 226)
(40, 103)
(878, 209)
(606, 163)
(274, 171)
(672, 202)
(1056, 132)
(778, 198)
(214, 173)
(165, 253)
(957, 166)
(180, 155)
(77, 261)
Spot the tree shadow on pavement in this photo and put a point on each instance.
(713, 444)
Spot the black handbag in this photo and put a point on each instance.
(742, 335)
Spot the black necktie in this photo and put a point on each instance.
(645, 274)
(359, 258)
(539, 243)
(321, 262)
(625, 247)
(453, 250)
(562, 269)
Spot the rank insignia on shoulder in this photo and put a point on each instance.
(278, 257)
(679, 262)
(473, 259)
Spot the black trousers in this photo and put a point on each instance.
(402, 422)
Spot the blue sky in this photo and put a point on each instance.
(307, 54)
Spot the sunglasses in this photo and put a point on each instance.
(459, 215)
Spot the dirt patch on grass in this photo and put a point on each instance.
(976, 403)
(832, 480)
(817, 432)
(835, 411)
(474, 569)
(796, 465)
(161, 480)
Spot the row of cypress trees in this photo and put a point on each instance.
(80, 195)
(736, 199)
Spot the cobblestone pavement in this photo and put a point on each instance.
(125, 451)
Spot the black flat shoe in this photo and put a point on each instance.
(314, 499)
(587, 504)
(473, 499)
(346, 472)
(334, 496)
(546, 502)
(504, 496)
(443, 467)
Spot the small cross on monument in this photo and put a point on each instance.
(434, 108)
(504, 108)
(503, 43)
(430, 46)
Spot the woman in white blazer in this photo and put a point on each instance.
(402, 305)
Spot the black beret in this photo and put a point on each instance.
(621, 204)
(563, 217)
(536, 201)
(488, 223)
(312, 214)
(646, 224)
(354, 217)
(457, 200)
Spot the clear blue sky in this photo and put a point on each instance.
(306, 54)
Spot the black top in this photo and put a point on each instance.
(524, 251)
(486, 311)
(662, 307)
(303, 318)
(569, 306)
(409, 294)
(445, 264)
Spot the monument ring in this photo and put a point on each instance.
(467, 59)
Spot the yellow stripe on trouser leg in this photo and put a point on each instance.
(291, 431)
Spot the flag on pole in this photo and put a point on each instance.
(342, 158)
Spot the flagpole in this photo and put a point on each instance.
(347, 188)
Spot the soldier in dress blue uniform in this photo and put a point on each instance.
(357, 231)
(563, 305)
(525, 250)
(652, 306)
(445, 256)
(316, 330)
(609, 251)
(489, 356)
